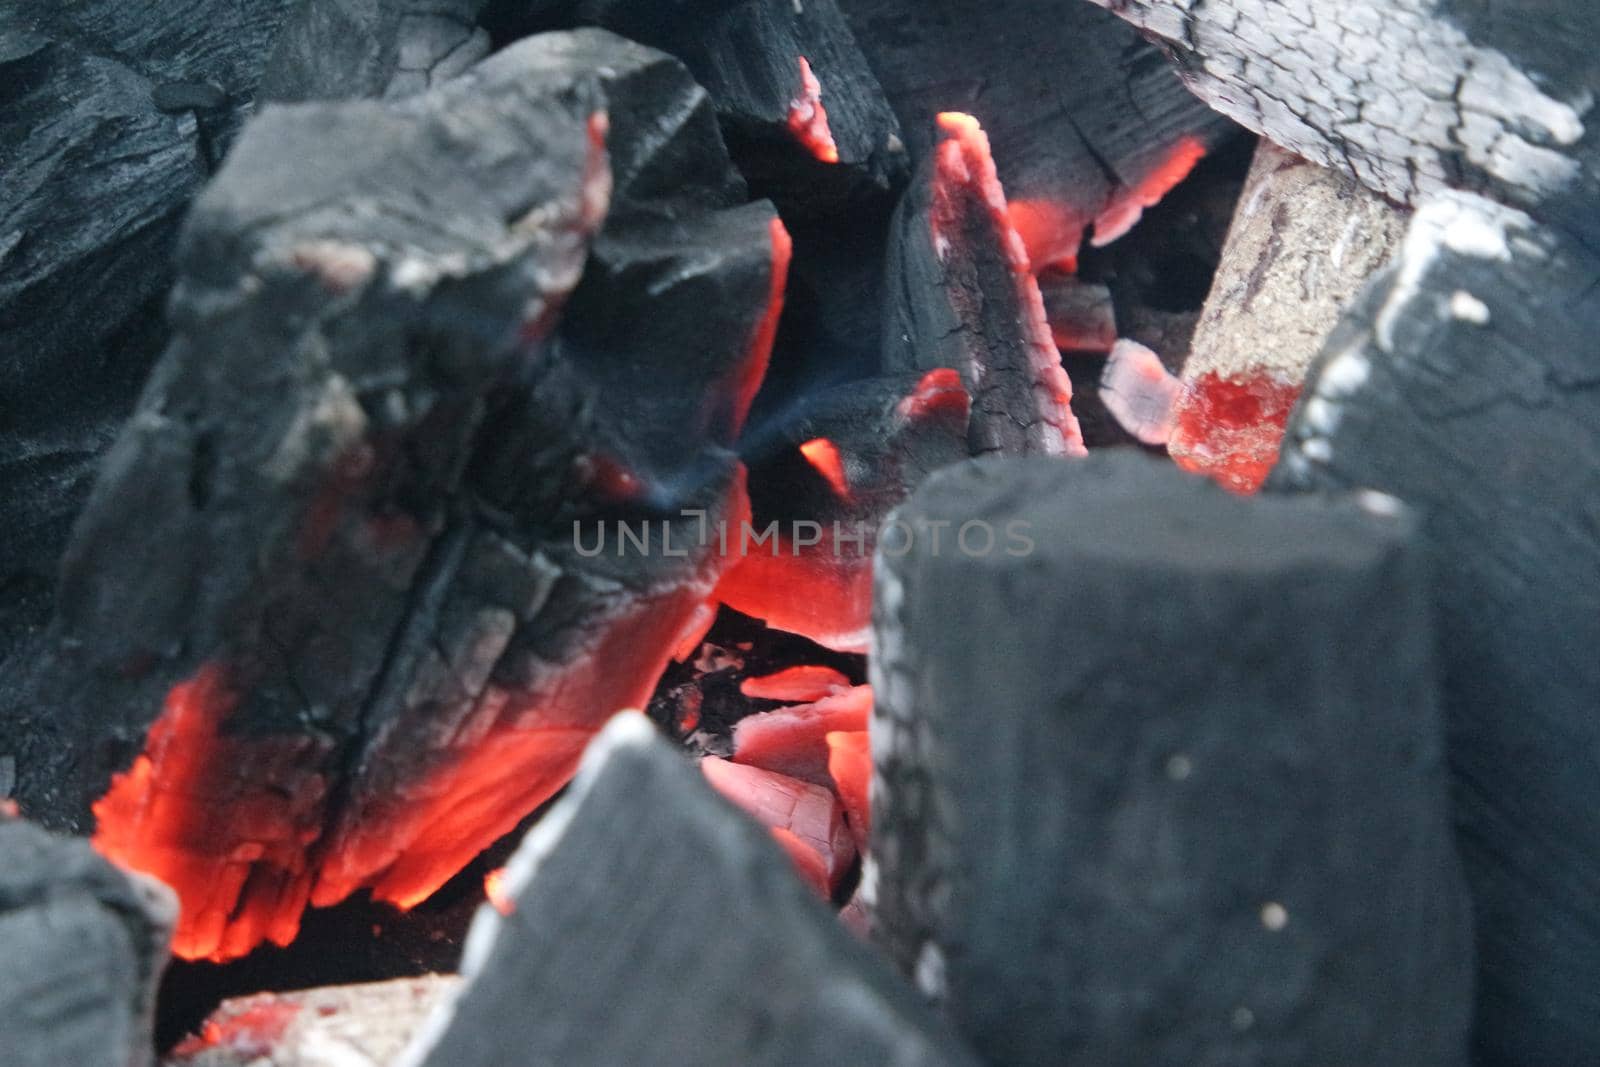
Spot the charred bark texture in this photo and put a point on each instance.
(1236, 852)
(782, 981)
(84, 945)
(1464, 382)
(1407, 97)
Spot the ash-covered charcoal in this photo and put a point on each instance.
(1089, 124)
(822, 483)
(1304, 240)
(351, 527)
(960, 295)
(803, 114)
(333, 49)
(1407, 96)
(1464, 381)
(113, 115)
(611, 937)
(1235, 851)
(83, 945)
(362, 1025)
(1139, 392)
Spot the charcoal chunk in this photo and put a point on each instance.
(802, 111)
(1464, 381)
(1187, 803)
(609, 935)
(348, 587)
(84, 945)
(1089, 123)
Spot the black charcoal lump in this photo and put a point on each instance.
(82, 945)
(655, 924)
(1159, 772)
(1465, 381)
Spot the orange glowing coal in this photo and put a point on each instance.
(1230, 428)
(1128, 207)
(224, 820)
(938, 392)
(495, 891)
(808, 119)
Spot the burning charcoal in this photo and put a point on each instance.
(1407, 96)
(1303, 241)
(1089, 126)
(793, 741)
(1464, 382)
(612, 939)
(348, 525)
(333, 49)
(795, 683)
(1080, 313)
(961, 296)
(807, 819)
(1139, 392)
(109, 130)
(850, 455)
(1139, 828)
(850, 767)
(83, 945)
(801, 110)
(365, 1025)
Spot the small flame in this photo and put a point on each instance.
(808, 119)
(824, 457)
(499, 896)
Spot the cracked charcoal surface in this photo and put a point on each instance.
(1408, 97)
(767, 976)
(1464, 382)
(1077, 872)
(84, 944)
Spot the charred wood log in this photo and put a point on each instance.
(1407, 97)
(111, 117)
(343, 523)
(84, 945)
(1089, 126)
(802, 112)
(334, 49)
(1064, 848)
(1303, 241)
(1464, 382)
(784, 982)
(960, 296)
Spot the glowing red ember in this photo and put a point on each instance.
(495, 891)
(223, 819)
(808, 119)
(1128, 207)
(793, 741)
(850, 766)
(806, 683)
(1230, 428)
(823, 455)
